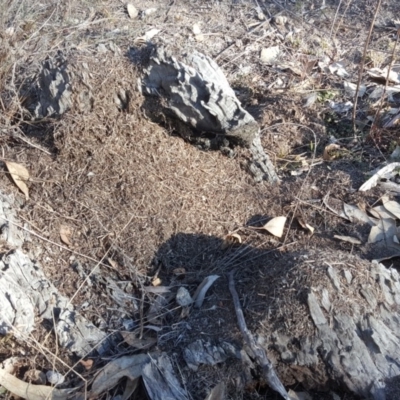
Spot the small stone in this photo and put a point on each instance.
(133, 12)
(183, 297)
(55, 378)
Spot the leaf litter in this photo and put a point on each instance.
(275, 226)
(20, 175)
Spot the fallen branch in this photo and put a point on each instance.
(269, 373)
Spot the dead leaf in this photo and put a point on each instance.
(127, 366)
(340, 108)
(149, 11)
(269, 55)
(275, 226)
(385, 172)
(350, 89)
(348, 239)
(354, 214)
(218, 392)
(311, 99)
(33, 392)
(335, 205)
(231, 239)
(132, 340)
(19, 175)
(87, 364)
(183, 297)
(393, 207)
(157, 309)
(380, 212)
(395, 255)
(160, 380)
(383, 74)
(384, 230)
(133, 12)
(338, 68)
(55, 378)
(65, 234)
(201, 290)
(304, 225)
(329, 152)
(362, 205)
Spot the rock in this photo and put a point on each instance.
(196, 92)
(54, 88)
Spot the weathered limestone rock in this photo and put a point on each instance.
(54, 88)
(197, 92)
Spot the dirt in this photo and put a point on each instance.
(144, 201)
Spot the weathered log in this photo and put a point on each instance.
(197, 92)
(25, 293)
(341, 324)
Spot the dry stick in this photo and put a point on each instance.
(20, 137)
(99, 262)
(56, 244)
(353, 116)
(341, 20)
(334, 18)
(269, 373)
(376, 118)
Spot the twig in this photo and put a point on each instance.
(340, 23)
(392, 59)
(334, 18)
(20, 137)
(269, 373)
(353, 116)
(54, 243)
(99, 262)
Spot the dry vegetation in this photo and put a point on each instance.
(143, 201)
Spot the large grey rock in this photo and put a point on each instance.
(196, 92)
(53, 88)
